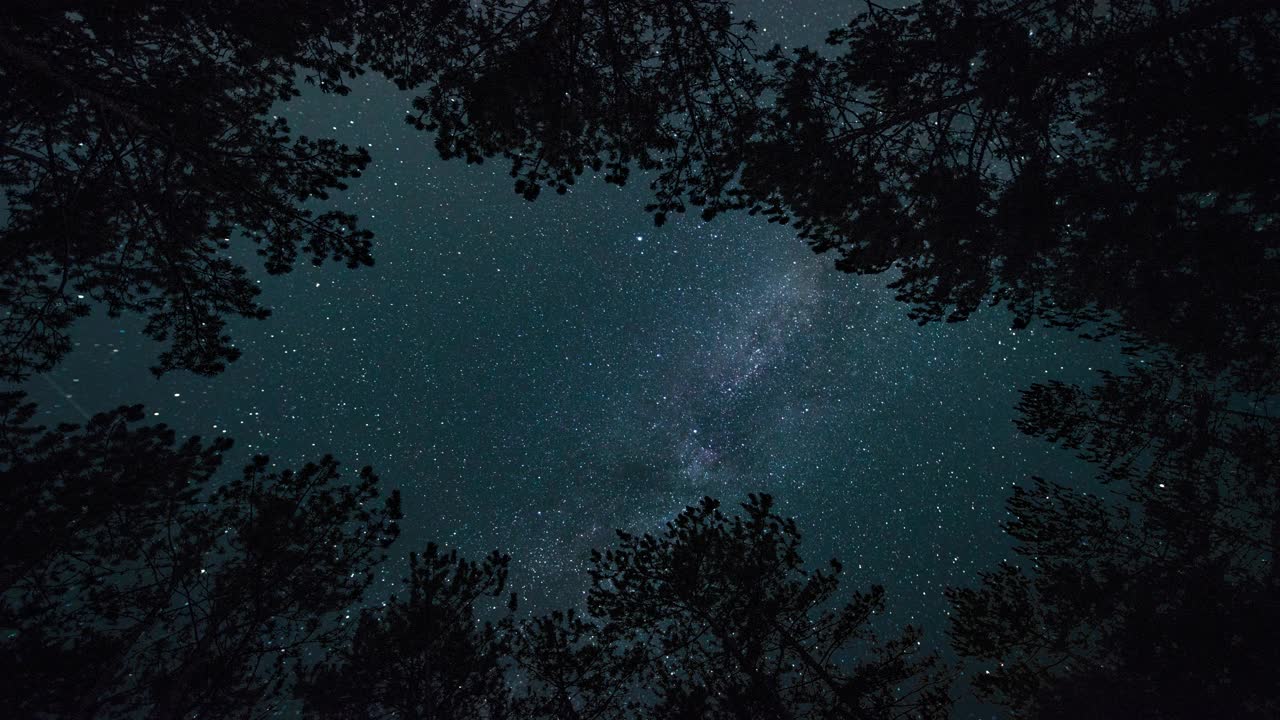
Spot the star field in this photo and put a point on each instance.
(533, 375)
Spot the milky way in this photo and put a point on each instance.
(533, 375)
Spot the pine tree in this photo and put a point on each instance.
(138, 152)
(138, 584)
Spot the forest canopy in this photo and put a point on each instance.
(1104, 167)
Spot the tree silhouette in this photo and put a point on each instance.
(1151, 602)
(137, 585)
(989, 151)
(575, 668)
(559, 87)
(1097, 166)
(731, 625)
(715, 618)
(424, 657)
(138, 152)
(1100, 167)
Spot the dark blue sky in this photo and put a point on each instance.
(532, 375)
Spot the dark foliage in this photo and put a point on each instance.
(425, 657)
(987, 151)
(1102, 166)
(761, 636)
(574, 668)
(717, 617)
(559, 87)
(1105, 167)
(137, 153)
(134, 585)
(1148, 599)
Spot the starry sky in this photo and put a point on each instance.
(532, 375)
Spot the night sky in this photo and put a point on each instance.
(532, 375)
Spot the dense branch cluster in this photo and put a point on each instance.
(1135, 592)
(134, 585)
(137, 144)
